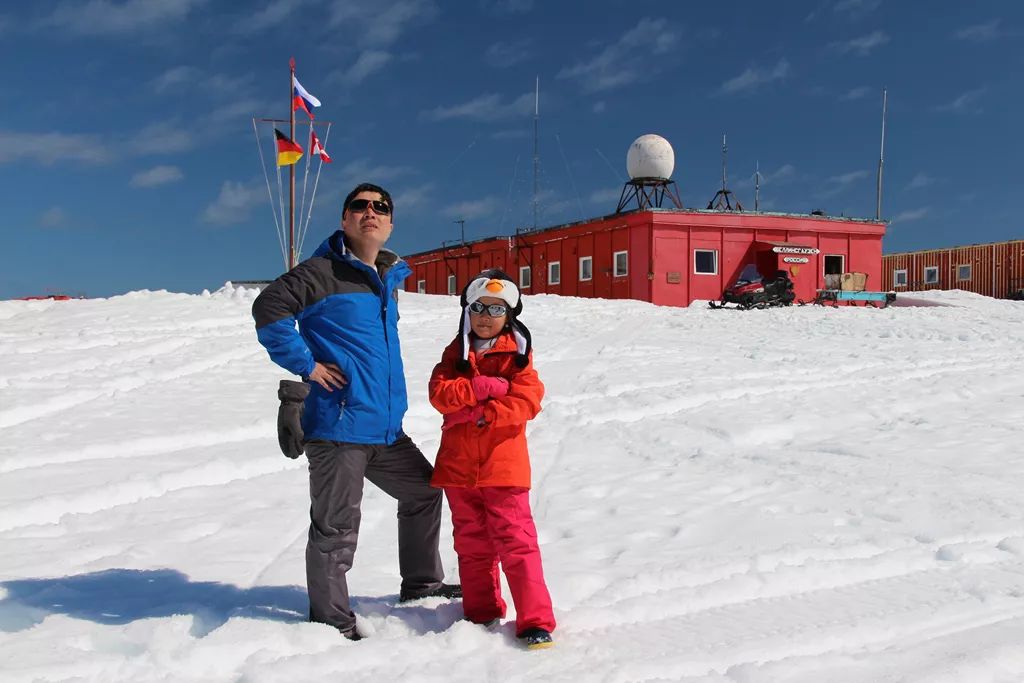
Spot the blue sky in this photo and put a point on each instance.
(128, 159)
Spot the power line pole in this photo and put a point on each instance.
(536, 153)
(881, 161)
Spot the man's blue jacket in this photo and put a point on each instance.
(347, 314)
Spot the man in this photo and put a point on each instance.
(345, 299)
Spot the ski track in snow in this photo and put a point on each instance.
(783, 495)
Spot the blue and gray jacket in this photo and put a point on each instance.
(347, 314)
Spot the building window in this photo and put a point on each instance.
(963, 272)
(524, 277)
(586, 268)
(621, 259)
(931, 275)
(899, 278)
(451, 284)
(834, 264)
(554, 273)
(421, 286)
(705, 261)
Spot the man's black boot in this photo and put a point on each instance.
(448, 591)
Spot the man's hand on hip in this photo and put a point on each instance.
(328, 375)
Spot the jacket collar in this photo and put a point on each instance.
(504, 343)
(336, 247)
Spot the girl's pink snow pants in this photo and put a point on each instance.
(492, 524)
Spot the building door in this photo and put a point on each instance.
(834, 269)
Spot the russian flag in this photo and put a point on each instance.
(302, 99)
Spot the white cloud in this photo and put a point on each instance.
(840, 183)
(912, 215)
(965, 103)
(233, 112)
(605, 196)
(234, 202)
(627, 60)
(367, 63)
(755, 77)
(363, 171)
(382, 26)
(920, 180)
(164, 137)
(412, 198)
(110, 18)
(503, 54)
(158, 175)
(53, 217)
(273, 15)
(864, 44)
(780, 176)
(473, 208)
(174, 77)
(979, 33)
(182, 78)
(856, 93)
(50, 148)
(483, 108)
(848, 178)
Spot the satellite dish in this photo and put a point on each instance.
(650, 156)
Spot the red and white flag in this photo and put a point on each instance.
(316, 148)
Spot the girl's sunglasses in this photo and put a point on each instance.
(380, 208)
(493, 310)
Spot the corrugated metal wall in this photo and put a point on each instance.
(995, 269)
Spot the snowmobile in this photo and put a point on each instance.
(753, 291)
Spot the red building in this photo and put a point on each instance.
(995, 270)
(666, 256)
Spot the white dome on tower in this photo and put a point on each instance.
(650, 156)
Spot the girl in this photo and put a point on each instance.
(487, 389)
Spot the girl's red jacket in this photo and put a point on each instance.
(494, 454)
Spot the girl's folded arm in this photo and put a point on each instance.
(522, 402)
(449, 390)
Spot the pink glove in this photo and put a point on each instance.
(489, 387)
(474, 414)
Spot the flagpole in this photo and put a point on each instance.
(291, 167)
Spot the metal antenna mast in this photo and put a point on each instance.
(725, 151)
(881, 161)
(536, 154)
(462, 228)
(757, 186)
(723, 199)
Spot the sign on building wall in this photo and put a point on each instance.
(796, 250)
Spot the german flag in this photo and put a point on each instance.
(287, 151)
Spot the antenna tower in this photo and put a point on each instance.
(724, 198)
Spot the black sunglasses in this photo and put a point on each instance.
(380, 207)
(493, 310)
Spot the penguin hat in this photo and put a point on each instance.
(495, 283)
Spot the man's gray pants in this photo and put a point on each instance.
(336, 472)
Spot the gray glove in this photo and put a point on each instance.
(289, 416)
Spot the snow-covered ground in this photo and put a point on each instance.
(804, 495)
